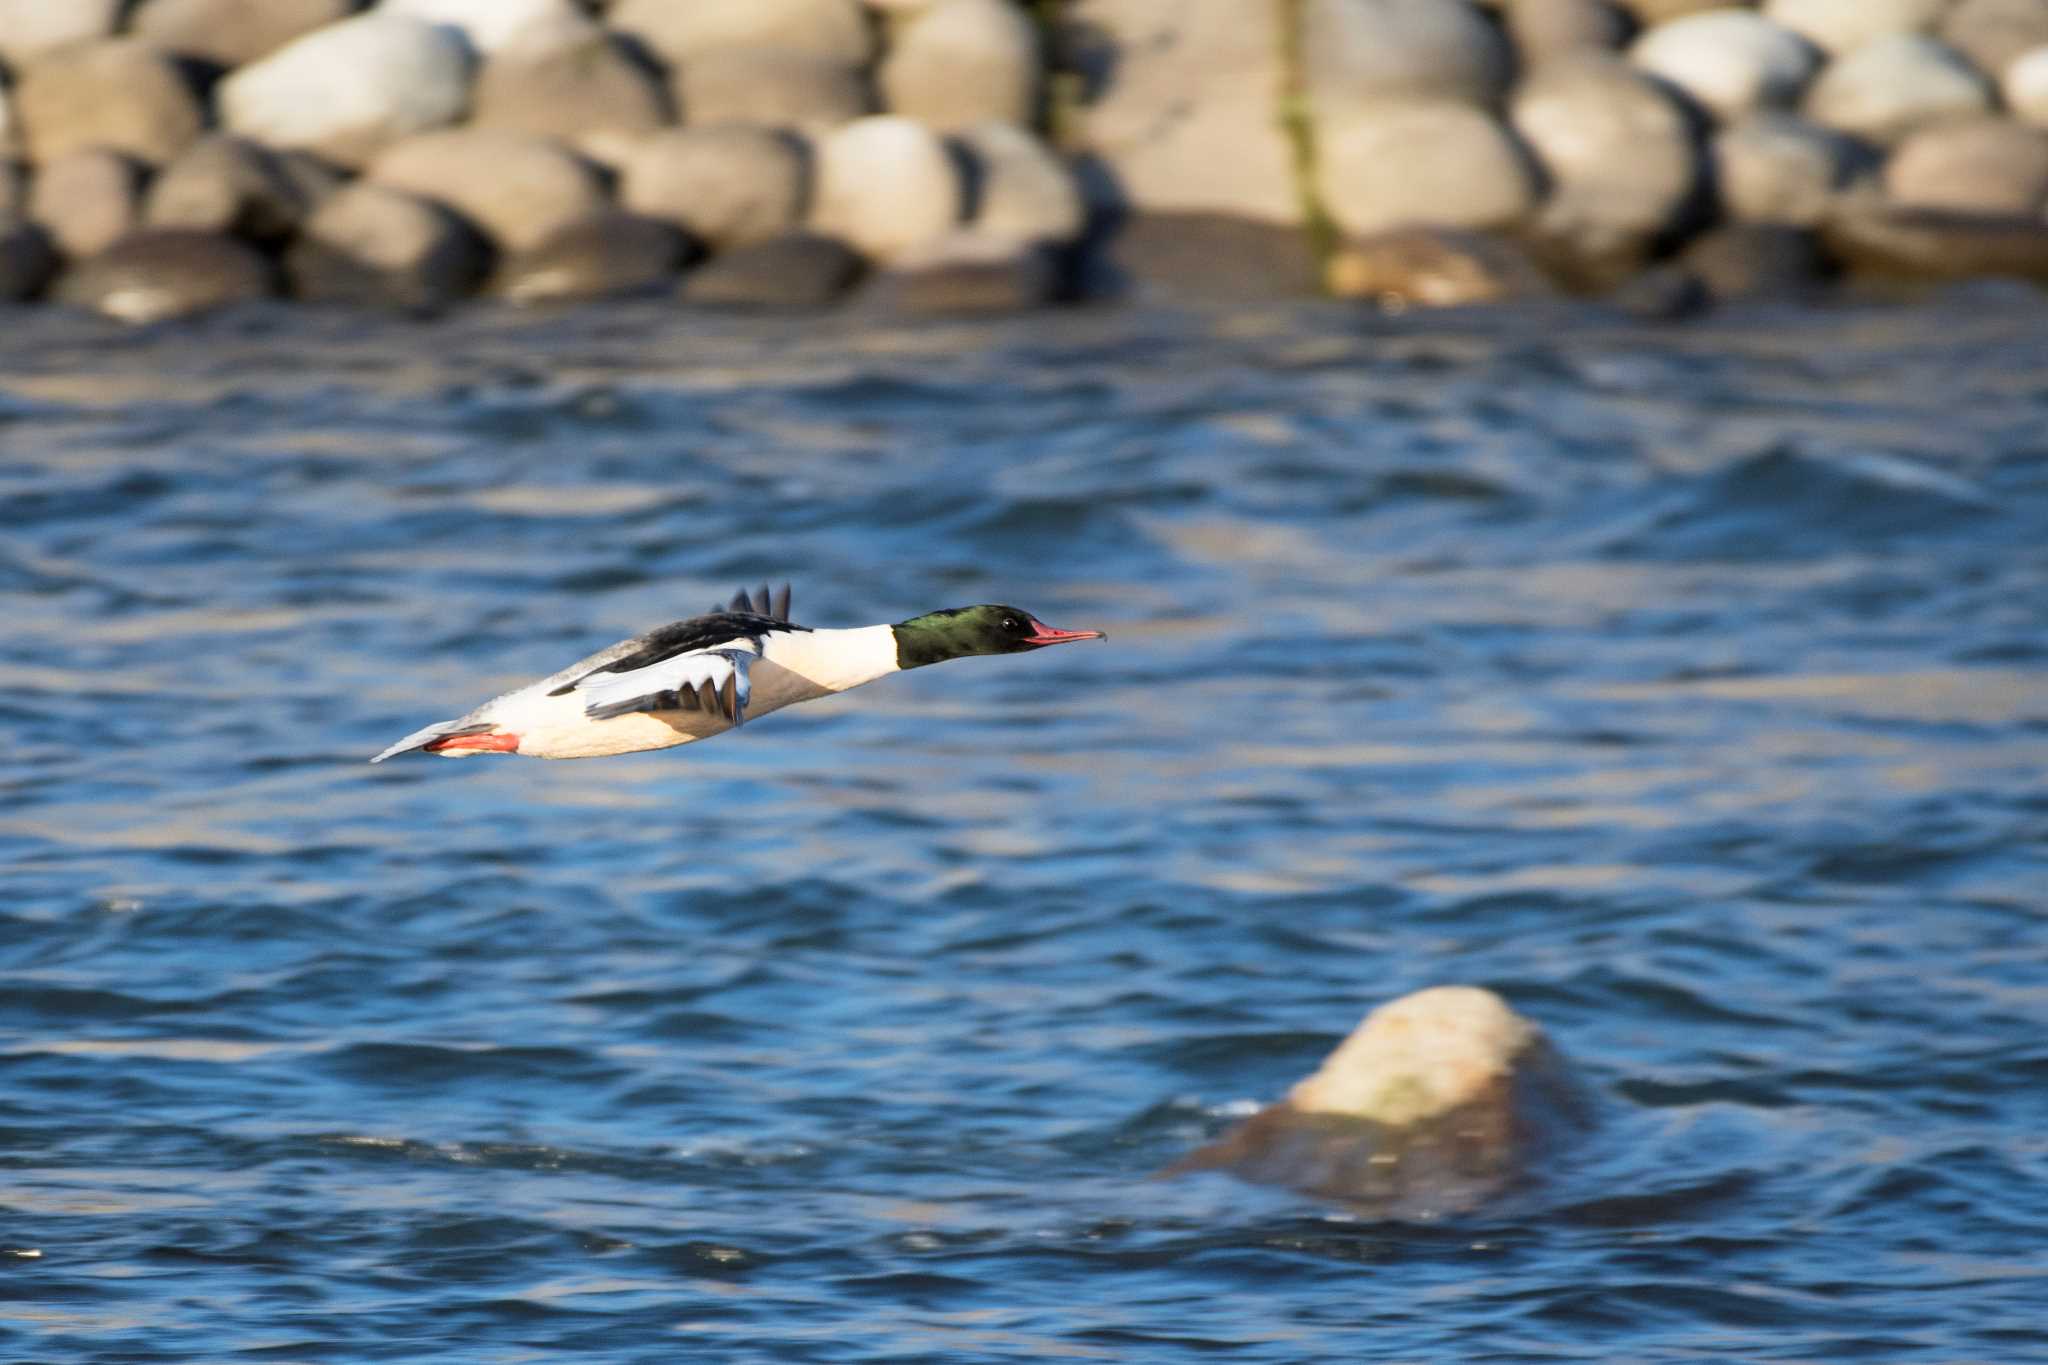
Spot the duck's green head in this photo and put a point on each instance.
(988, 629)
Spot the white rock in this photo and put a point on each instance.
(1732, 61)
(1984, 165)
(487, 25)
(1364, 51)
(1022, 192)
(1418, 1056)
(725, 186)
(680, 30)
(885, 185)
(1780, 169)
(1620, 153)
(1399, 163)
(1887, 88)
(2025, 87)
(518, 189)
(962, 62)
(350, 89)
(30, 27)
(1838, 26)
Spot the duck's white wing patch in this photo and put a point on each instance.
(710, 680)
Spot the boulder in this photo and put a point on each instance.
(594, 257)
(517, 189)
(1623, 157)
(1650, 13)
(1924, 245)
(2025, 87)
(1206, 257)
(313, 178)
(1161, 151)
(488, 25)
(1394, 164)
(10, 133)
(723, 185)
(1433, 267)
(963, 62)
(964, 273)
(227, 185)
(160, 273)
(1438, 1102)
(833, 30)
(116, 93)
(1756, 261)
(27, 260)
(1982, 165)
(1888, 87)
(87, 200)
(351, 89)
(1778, 168)
(366, 244)
(1017, 189)
(1840, 26)
(796, 272)
(772, 87)
(29, 28)
(1993, 34)
(1542, 30)
(13, 190)
(231, 33)
(1732, 62)
(1357, 52)
(884, 185)
(586, 90)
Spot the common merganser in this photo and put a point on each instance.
(701, 677)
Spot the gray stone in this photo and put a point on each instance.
(232, 33)
(1394, 164)
(1757, 262)
(10, 132)
(312, 178)
(28, 259)
(724, 185)
(587, 91)
(369, 245)
(1437, 1103)
(88, 200)
(1994, 34)
(1623, 157)
(1204, 257)
(1923, 245)
(115, 93)
(351, 89)
(1369, 51)
(13, 190)
(487, 25)
(228, 185)
(1160, 149)
(884, 185)
(832, 30)
(517, 189)
(594, 257)
(1543, 30)
(1017, 188)
(796, 272)
(29, 28)
(773, 87)
(2025, 87)
(1732, 62)
(963, 62)
(965, 273)
(160, 273)
(1841, 26)
(1778, 168)
(1982, 165)
(1433, 267)
(1888, 87)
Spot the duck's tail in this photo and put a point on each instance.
(430, 737)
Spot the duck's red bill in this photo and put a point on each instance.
(1043, 634)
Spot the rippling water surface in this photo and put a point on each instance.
(1690, 688)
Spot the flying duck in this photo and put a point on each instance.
(701, 677)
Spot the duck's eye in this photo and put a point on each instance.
(1011, 623)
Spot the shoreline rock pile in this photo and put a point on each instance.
(159, 157)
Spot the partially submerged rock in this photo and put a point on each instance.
(227, 184)
(1438, 1102)
(1432, 267)
(1923, 245)
(594, 257)
(796, 272)
(161, 273)
(369, 245)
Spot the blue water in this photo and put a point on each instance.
(1688, 687)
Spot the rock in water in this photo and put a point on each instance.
(161, 273)
(1438, 1102)
(1398, 163)
(227, 185)
(1778, 168)
(1922, 245)
(834, 30)
(27, 260)
(725, 186)
(116, 93)
(1840, 26)
(884, 185)
(773, 87)
(796, 272)
(88, 200)
(1983, 165)
(1887, 88)
(1429, 267)
(967, 273)
(594, 257)
(369, 245)
(348, 90)
(963, 62)
(1732, 61)
(1757, 261)
(232, 33)
(518, 189)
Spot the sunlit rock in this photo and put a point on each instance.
(227, 184)
(795, 272)
(231, 33)
(772, 87)
(834, 30)
(1840, 26)
(1887, 88)
(1980, 165)
(1392, 164)
(575, 83)
(517, 189)
(1994, 34)
(1779, 168)
(29, 28)
(885, 185)
(724, 185)
(1433, 267)
(1020, 190)
(1366, 51)
(962, 62)
(369, 245)
(1732, 62)
(87, 200)
(117, 93)
(592, 257)
(1544, 29)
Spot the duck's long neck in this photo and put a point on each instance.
(834, 660)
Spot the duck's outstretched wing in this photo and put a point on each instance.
(775, 608)
(709, 680)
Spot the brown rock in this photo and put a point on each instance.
(725, 185)
(595, 257)
(366, 244)
(228, 185)
(590, 93)
(1177, 255)
(1017, 188)
(1449, 163)
(88, 200)
(832, 30)
(1888, 87)
(229, 33)
(27, 260)
(1994, 34)
(1777, 168)
(161, 273)
(1927, 245)
(13, 190)
(967, 273)
(771, 87)
(116, 93)
(1546, 29)
(1369, 51)
(1984, 165)
(1650, 13)
(518, 189)
(796, 272)
(1432, 267)
(964, 62)
(1757, 261)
